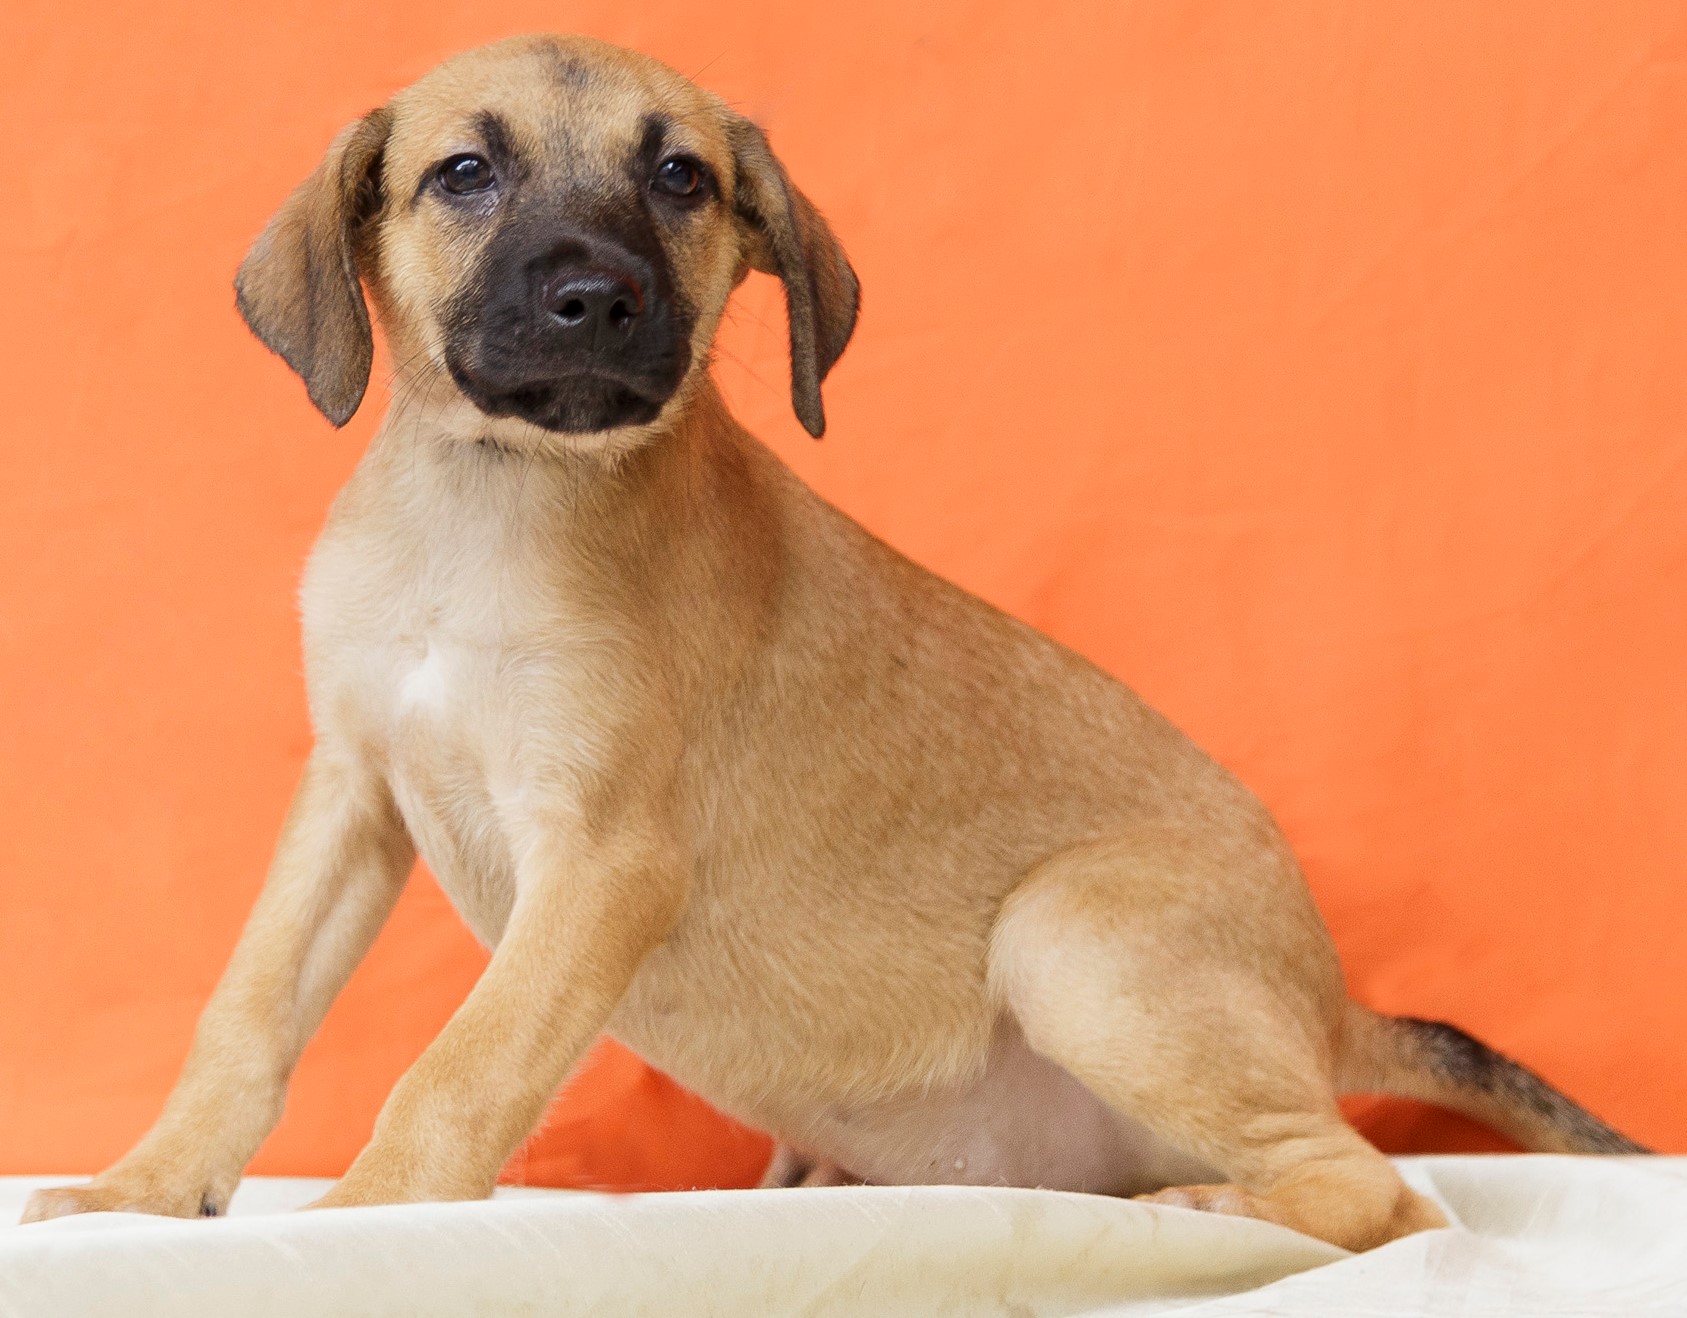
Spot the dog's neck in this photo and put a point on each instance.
(659, 526)
(434, 443)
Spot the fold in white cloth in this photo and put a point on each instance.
(1533, 1236)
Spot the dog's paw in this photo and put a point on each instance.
(382, 1176)
(115, 1197)
(791, 1170)
(1230, 1200)
(340, 1197)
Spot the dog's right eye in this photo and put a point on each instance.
(462, 174)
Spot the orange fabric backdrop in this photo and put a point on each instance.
(1317, 368)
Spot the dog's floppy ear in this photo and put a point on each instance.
(789, 238)
(298, 287)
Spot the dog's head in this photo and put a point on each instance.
(552, 224)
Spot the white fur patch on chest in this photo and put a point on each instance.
(427, 684)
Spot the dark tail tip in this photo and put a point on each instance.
(1503, 1092)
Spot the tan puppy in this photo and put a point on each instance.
(850, 853)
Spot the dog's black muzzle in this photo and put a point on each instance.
(583, 336)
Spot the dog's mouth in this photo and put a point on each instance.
(576, 402)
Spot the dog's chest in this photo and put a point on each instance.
(464, 685)
(427, 688)
(451, 773)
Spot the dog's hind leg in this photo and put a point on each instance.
(1187, 980)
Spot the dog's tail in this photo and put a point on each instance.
(1441, 1064)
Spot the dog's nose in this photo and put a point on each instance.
(595, 307)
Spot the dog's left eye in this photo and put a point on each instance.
(462, 174)
(678, 177)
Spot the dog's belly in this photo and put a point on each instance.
(1011, 1118)
(1024, 1122)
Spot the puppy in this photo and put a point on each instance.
(860, 859)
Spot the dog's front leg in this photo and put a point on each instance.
(342, 860)
(587, 912)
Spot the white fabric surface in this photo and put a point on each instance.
(1535, 1236)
